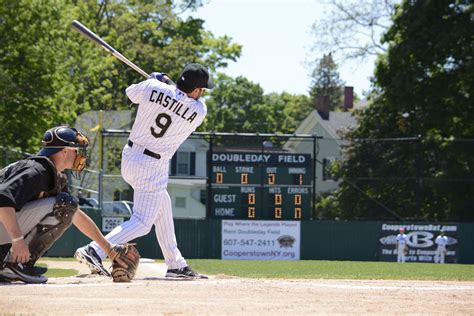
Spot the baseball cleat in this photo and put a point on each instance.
(16, 272)
(184, 273)
(89, 257)
(34, 270)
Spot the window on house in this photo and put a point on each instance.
(328, 165)
(180, 202)
(203, 196)
(182, 163)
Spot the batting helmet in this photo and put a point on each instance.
(60, 137)
(194, 76)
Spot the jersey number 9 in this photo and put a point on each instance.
(163, 122)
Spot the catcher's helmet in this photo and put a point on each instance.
(59, 137)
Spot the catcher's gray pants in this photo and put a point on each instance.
(28, 217)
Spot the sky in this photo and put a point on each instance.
(277, 40)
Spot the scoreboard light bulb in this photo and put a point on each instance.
(297, 199)
(252, 198)
(244, 178)
(219, 178)
(271, 178)
(277, 199)
(251, 212)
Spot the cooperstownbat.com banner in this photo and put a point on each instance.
(421, 241)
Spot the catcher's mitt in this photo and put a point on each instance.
(125, 258)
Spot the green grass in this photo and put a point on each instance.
(59, 273)
(310, 269)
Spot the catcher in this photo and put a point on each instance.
(36, 209)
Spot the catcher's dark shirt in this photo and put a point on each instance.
(27, 180)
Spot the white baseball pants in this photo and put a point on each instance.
(440, 254)
(401, 253)
(148, 177)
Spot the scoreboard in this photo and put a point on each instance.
(274, 186)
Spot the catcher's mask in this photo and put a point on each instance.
(61, 137)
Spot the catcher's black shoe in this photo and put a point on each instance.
(88, 256)
(34, 270)
(185, 273)
(16, 272)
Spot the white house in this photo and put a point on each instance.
(325, 124)
(187, 183)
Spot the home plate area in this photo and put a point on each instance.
(153, 294)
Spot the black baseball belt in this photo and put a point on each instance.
(146, 151)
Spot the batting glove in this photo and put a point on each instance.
(156, 75)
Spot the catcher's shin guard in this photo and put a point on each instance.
(51, 227)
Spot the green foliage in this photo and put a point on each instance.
(29, 71)
(326, 82)
(239, 105)
(49, 74)
(424, 86)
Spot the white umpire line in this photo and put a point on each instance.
(307, 283)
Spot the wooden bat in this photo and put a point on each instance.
(78, 26)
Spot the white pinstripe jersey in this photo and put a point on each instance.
(166, 116)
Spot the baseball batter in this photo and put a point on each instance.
(167, 115)
(402, 247)
(442, 242)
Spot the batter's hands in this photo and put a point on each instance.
(157, 75)
(20, 252)
(161, 77)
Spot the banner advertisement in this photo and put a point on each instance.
(420, 241)
(261, 240)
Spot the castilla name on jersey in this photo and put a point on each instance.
(172, 105)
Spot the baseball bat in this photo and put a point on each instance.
(81, 28)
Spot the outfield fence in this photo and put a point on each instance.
(320, 240)
(436, 182)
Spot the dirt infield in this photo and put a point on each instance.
(151, 294)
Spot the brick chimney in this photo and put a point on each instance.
(348, 98)
(322, 106)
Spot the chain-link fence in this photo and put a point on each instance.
(408, 178)
(275, 176)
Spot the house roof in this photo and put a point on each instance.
(336, 122)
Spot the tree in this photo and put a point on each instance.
(232, 101)
(292, 109)
(49, 74)
(29, 72)
(326, 82)
(239, 105)
(352, 29)
(424, 87)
